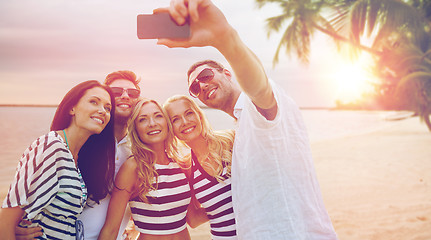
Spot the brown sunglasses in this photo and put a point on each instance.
(204, 76)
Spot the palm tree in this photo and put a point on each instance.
(401, 46)
(404, 38)
(305, 17)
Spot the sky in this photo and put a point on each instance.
(47, 47)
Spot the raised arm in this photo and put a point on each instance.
(209, 27)
(124, 186)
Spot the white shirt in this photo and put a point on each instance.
(274, 186)
(94, 217)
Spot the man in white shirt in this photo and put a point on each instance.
(275, 190)
(124, 85)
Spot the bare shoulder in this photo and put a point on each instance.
(127, 175)
(130, 164)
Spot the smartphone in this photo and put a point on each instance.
(161, 25)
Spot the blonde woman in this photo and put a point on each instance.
(151, 180)
(211, 154)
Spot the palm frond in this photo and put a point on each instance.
(273, 24)
(339, 20)
(294, 39)
(417, 86)
(373, 15)
(261, 3)
(388, 16)
(284, 41)
(358, 15)
(411, 64)
(427, 54)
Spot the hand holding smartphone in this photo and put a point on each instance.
(161, 25)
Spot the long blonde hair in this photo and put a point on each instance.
(144, 156)
(220, 143)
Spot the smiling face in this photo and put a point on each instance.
(124, 104)
(151, 124)
(186, 123)
(93, 111)
(216, 93)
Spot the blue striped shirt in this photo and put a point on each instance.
(48, 187)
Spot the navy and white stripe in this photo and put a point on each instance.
(48, 187)
(167, 208)
(216, 198)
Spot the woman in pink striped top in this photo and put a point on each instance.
(211, 154)
(151, 181)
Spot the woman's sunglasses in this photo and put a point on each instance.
(118, 92)
(205, 76)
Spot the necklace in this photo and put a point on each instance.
(65, 137)
(67, 143)
(81, 180)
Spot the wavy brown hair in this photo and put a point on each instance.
(145, 156)
(96, 159)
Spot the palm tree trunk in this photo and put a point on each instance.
(427, 120)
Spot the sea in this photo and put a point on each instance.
(20, 126)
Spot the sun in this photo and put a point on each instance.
(352, 81)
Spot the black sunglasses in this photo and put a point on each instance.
(118, 92)
(204, 76)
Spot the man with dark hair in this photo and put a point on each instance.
(275, 191)
(124, 85)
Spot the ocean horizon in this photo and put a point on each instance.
(21, 125)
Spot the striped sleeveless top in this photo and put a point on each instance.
(216, 198)
(48, 187)
(167, 208)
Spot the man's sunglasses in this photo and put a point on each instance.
(205, 76)
(118, 92)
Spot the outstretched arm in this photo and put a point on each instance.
(209, 27)
(124, 186)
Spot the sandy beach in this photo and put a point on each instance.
(378, 185)
(375, 185)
